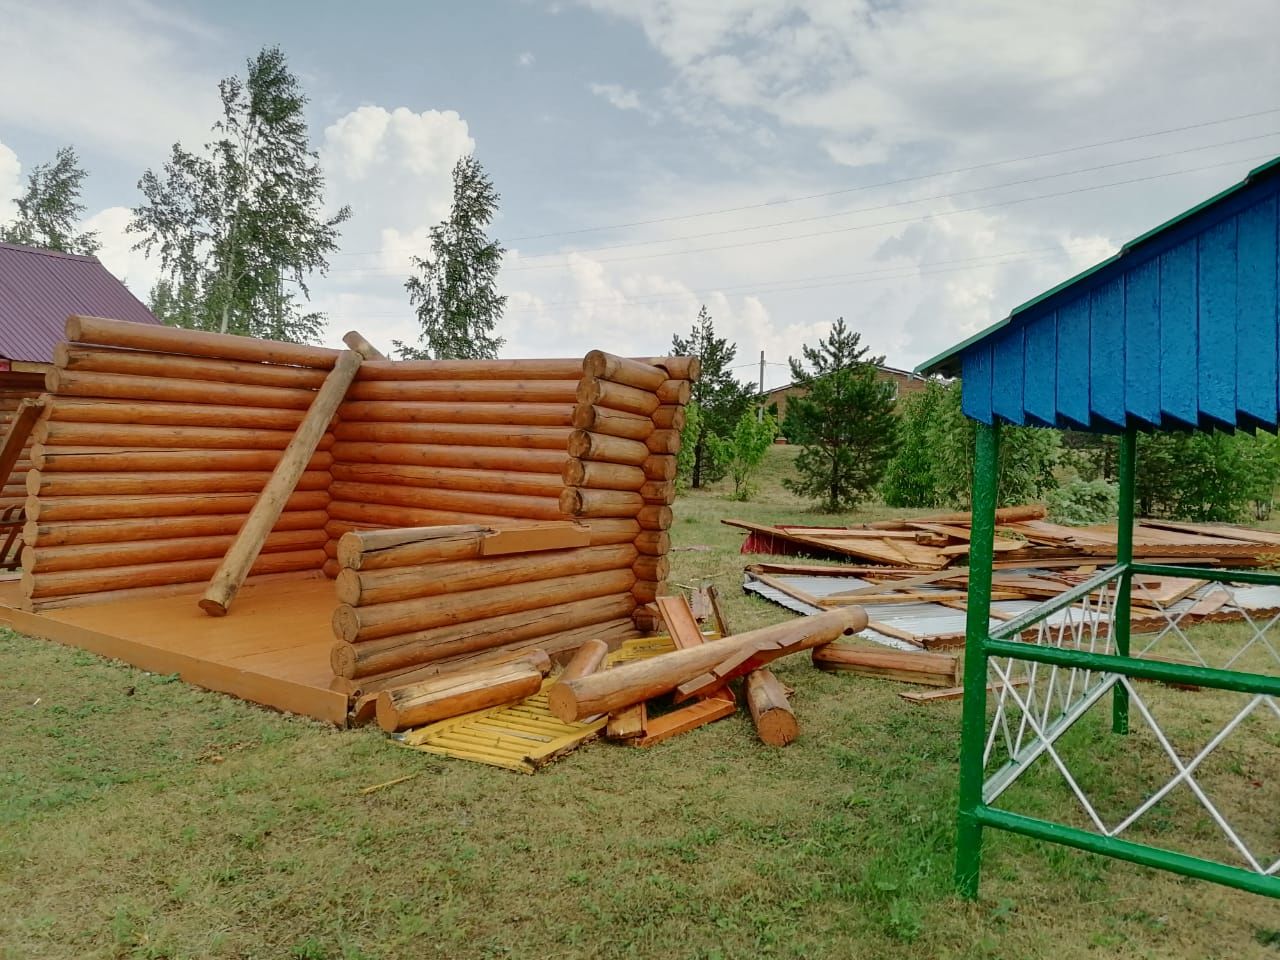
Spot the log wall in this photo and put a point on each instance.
(14, 388)
(152, 448)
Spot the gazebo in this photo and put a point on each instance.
(1180, 330)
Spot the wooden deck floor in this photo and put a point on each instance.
(272, 648)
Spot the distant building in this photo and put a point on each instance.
(904, 381)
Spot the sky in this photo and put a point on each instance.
(918, 168)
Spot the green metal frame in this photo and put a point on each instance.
(982, 643)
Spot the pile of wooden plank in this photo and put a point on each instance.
(1024, 538)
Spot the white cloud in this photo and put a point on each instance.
(10, 183)
(621, 98)
(526, 59)
(124, 79)
(132, 267)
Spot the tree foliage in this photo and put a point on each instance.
(744, 449)
(236, 223)
(50, 208)
(933, 465)
(720, 397)
(844, 421)
(454, 290)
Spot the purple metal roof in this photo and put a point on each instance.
(39, 289)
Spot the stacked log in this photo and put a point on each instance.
(622, 455)
(14, 388)
(413, 598)
(150, 454)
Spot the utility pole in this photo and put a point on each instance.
(760, 409)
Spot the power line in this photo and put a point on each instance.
(901, 180)
(900, 203)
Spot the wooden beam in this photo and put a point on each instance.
(241, 555)
(24, 419)
(360, 345)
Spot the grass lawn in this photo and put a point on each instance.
(142, 818)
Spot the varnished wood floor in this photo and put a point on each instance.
(272, 648)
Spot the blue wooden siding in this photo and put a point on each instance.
(1178, 331)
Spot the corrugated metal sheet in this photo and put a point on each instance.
(39, 289)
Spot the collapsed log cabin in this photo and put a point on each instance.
(363, 523)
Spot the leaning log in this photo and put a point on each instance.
(642, 680)
(588, 659)
(767, 700)
(242, 554)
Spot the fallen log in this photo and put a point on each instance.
(930, 669)
(767, 700)
(455, 694)
(642, 680)
(588, 659)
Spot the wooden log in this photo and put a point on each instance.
(629, 723)
(612, 530)
(617, 396)
(390, 516)
(643, 680)
(646, 591)
(677, 392)
(613, 423)
(241, 555)
(660, 467)
(646, 618)
(577, 502)
(930, 669)
(195, 343)
(631, 373)
(588, 659)
(122, 386)
(97, 460)
(149, 435)
(602, 476)
(360, 624)
(75, 410)
(462, 434)
(386, 681)
(670, 416)
(516, 370)
(651, 568)
(654, 543)
(455, 694)
(40, 483)
(448, 478)
(678, 368)
(459, 501)
(409, 546)
(467, 391)
(81, 358)
(465, 458)
(410, 650)
(658, 491)
(70, 582)
(366, 587)
(596, 446)
(18, 435)
(417, 411)
(50, 509)
(767, 700)
(664, 442)
(43, 535)
(160, 590)
(654, 517)
(102, 555)
(330, 568)
(355, 341)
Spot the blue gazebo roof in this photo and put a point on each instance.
(1178, 330)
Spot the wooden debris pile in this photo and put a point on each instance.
(1024, 538)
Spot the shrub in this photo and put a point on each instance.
(1082, 502)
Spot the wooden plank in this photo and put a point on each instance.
(679, 620)
(19, 432)
(950, 693)
(685, 719)
(531, 537)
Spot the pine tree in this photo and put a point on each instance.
(50, 208)
(844, 421)
(454, 291)
(237, 223)
(720, 398)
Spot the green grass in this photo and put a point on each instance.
(143, 818)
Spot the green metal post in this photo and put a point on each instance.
(977, 626)
(1120, 620)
